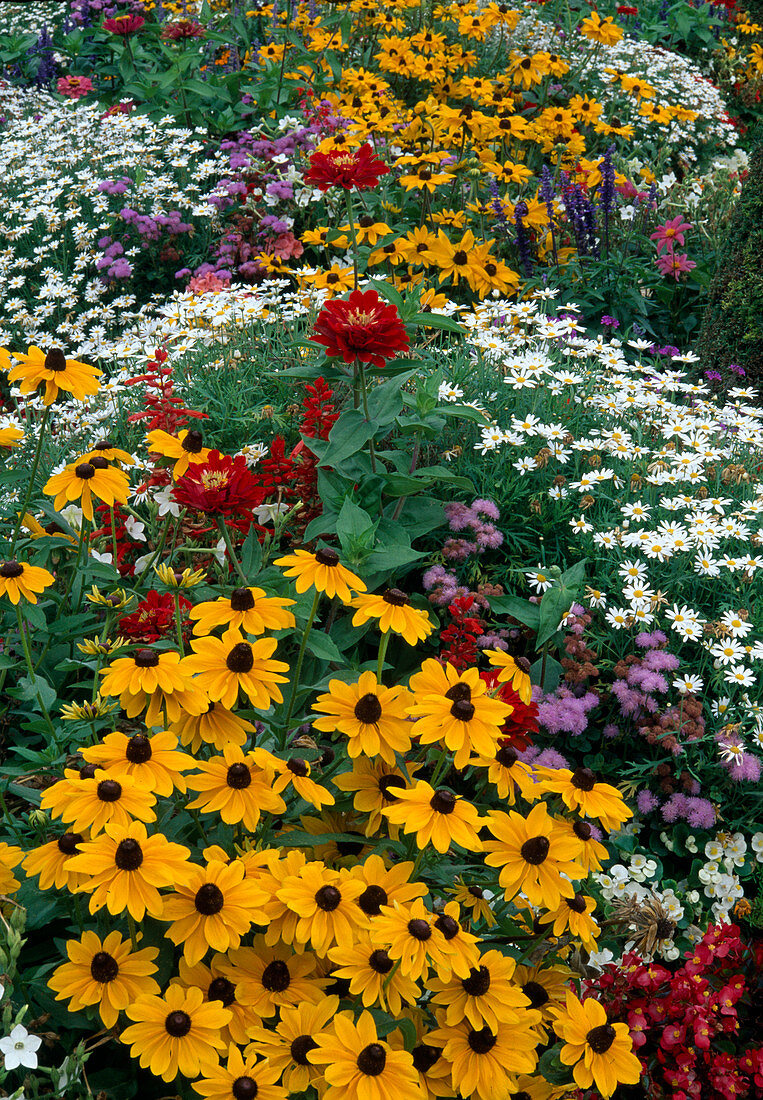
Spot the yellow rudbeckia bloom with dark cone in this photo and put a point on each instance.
(581, 791)
(10, 857)
(574, 915)
(235, 787)
(535, 855)
(213, 909)
(438, 817)
(84, 481)
(124, 867)
(295, 772)
(591, 854)
(178, 1032)
(107, 974)
(54, 370)
(10, 435)
(287, 1044)
(249, 610)
(270, 977)
(393, 611)
(508, 774)
(474, 899)
(223, 666)
(51, 862)
(545, 987)
(373, 977)
(241, 1076)
(600, 1053)
(153, 762)
(155, 681)
(372, 717)
(488, 996)
(484, 1062)
(454, 708)
(409, 934)
(512, 670)
(91, 804)
(322, 571)
(373, 784)
(216, 726)
(219, 981)
(326, 904)
(383, 885)
(185, 449)
(19, 580)
(359, 1066)
(104, 448)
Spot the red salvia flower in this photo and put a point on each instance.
(163, 408)
(320, 410)
(459, 640)
(346, 168)
(221, 486)
(522, 724)
(364, 327)
(124, 25)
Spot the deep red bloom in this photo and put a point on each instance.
(163, 408)
(365, 327)
(152, 618)
(221, 486)
(522, 724)
(625, 9)
(124, 25)
(347, 168)
(184, 28)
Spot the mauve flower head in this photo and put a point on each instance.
(700, 813)
(486, 508)
(611, 730)
(545, 758)
(674, 808)
(659, 660)
(746, 772)
(457, 515)
(458, 549)
(646, 802)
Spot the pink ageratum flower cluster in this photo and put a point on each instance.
(666, 237)
(479, 519)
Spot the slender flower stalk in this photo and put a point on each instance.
(300, 660)
(32, 475)
(30, 668)
(223, 529)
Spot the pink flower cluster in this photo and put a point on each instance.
(666, 237)
(478, 518)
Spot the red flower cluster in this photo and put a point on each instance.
(153, 618)
(124, 25)
(221, 486)
(685, 1023)
(522, 724)
(163, 408)
(365, 327)
(346, 168)
(458, 642)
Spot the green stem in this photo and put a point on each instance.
(113, 537)
(30, 667)
(223, 529)
(32, 475)
(178, 623)
(155, 557)
(133, 931)
(300, 659)
(354, 236)
(382, 654)
(364, 396)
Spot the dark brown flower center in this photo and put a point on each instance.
(298, 766)
(11, 569)
(482, 1041)
(424, 1057)
(372, 1060)
(240, 659)
(241, 599)
(276, 977)
(328, 898)
(448, 926)
(84, 471)
(87, 771)
(506, 756)
(664, 928)
(221, 989)
(69, 843)
(103, 967)
(419, 929)
(387, 783)
(490, 269)
(103, 445)
(476, 891)
(460, 257)
(209, 899)
(108, 790)
(244, 1088)
(478, 982)
(582, 830)
(366, 221)
(55, 360)
(520, 1095)
(138, 749)
(583, 779)
(601, 1038)
(98, 462)
(239, 777)
(459, 693)
(524, 664)
(368, 709)
(395, 597)
(128, 855)
(462, 710)
(372, 899)
(535, 850)
(193, 442)
(146, 658)
(443, 802)
(301, 1047)
(576, 904)
(536, 994)
(380, 961)
(326, 556)
(177, 1024)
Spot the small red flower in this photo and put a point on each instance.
(364, 327)
(152, 618)
(124, 25)
(221, 486)
(347, 168)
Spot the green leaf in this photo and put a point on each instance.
(554, 605)
(349, 435)
(437, 320)
(386, 290)
(574, 576)
(251, 554)
(552, 676)
(385, 401)
(322, 647)
(30, 689)
(463, 412)
(354, 526)
(521, 610)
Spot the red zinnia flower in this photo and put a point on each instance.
(221, 486)
(346, 168)
(184, 28)
(522, 724)
(124, 25)
(365, 327)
